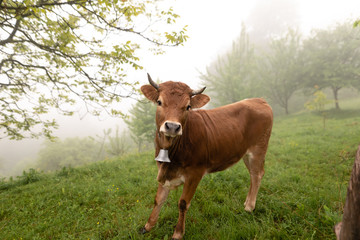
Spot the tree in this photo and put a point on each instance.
(349, 228)
(318, 103)
(231, 77)
(118, 144)
(57, 53)
(142, 123)
(333, 57)
(68, 152)
(281, 70)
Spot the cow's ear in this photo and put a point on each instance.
(199, 100)
(150, 92)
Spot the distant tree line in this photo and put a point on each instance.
(329, 58)
(72, 152)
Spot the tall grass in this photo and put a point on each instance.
(301, 196)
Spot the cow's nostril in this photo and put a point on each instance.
(178, 128)
(167, 126)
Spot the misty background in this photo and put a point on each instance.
(212, 28)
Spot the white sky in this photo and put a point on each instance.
(213, 25)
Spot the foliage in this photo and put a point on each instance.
(356, 23)
(113, 199)
(231, 77)
(281, 70)
(27, 177)
(142, 123)
(118, 145)
(285, 66)
(49, 59)
(113, 146)
(318, 102)
(333, 58)
(69, 152)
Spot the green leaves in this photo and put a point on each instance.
(282, 72)
(333, 58)
(142, 123)
(356, 23)
(330, 58)
(65, 52)
(231, 77)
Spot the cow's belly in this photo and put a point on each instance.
(222, 163)
(174, 183)
(170, 176)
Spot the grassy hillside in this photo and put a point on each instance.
(301, 197)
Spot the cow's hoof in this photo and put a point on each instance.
(143, 230)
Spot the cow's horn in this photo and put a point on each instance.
(154, 84)
(195, 92)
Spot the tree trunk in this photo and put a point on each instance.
(286, 108)
(335, 92)
(349, 228)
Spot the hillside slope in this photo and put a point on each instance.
(301, 196)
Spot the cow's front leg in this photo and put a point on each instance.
(160, 198)
(189, 189)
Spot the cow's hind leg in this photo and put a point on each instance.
(160, 198)
(254, 161)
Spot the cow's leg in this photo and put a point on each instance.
(189, 189)
(254, 161)
(160, 198)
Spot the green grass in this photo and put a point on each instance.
(301, 196)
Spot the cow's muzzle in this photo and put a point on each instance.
(171, 129)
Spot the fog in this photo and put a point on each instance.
(212, 26)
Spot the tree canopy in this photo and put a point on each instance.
(282, 68)
(234, 69)
(142, 123)
(333, 57)
(329, 58)
(57, 53)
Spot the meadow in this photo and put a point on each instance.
(301, 197)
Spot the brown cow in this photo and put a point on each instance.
(204, 141)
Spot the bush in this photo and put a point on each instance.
(69, 152)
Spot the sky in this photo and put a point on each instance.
(212, 27)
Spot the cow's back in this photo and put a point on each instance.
(232, 129)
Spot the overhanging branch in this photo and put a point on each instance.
(41, 4)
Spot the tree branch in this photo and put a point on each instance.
(42, 4)
(12, 34)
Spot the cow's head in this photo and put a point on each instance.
(174, 100)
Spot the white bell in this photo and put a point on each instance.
(163, 156)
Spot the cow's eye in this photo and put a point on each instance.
(159, 102)
(188, 107)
